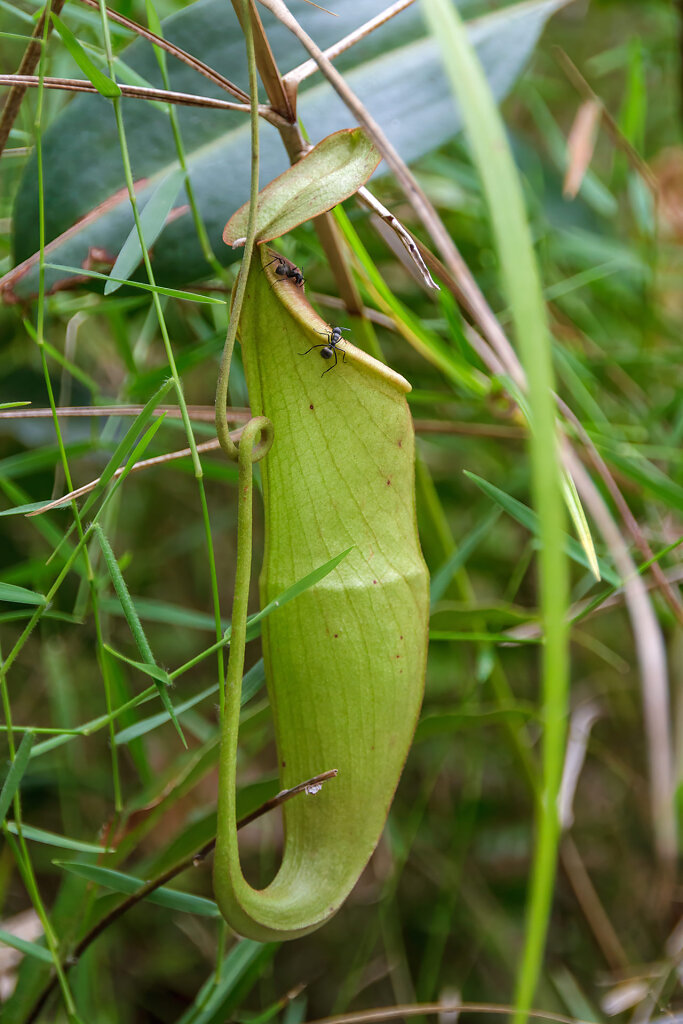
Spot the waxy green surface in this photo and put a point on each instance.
(345, 661)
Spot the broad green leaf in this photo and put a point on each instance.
(129, 884)
(528, 518)
(152, 220)
(102, 82)
(396, 72)
(20, 595)
(333, 170)
(15, 773)
(39, 835)
(24, 946)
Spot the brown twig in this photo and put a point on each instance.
(618, 138)
(266, 65)
(591, 906)
(175, 51)
(414, 193)
(137, 92)
(404, 236)
(156, 460)
(421, 426)
(202, 413)
(445, 1007)
(27, 67)
(194, 860)
(497, 430)
(303, 71)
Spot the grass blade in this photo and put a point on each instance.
(521, 281)
(104, 85)
(19, 595)
(40, 835)
(24, 946)
(15, 774)
(529, 519)
(152, 219)
(252, 682)
(133, 621)
(185, 902)
(172, 293)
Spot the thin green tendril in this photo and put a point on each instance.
(226, 442)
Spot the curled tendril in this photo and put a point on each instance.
(255, 440)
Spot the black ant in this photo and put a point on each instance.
(285, 269)
(329, 349)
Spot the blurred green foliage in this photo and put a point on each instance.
(439, 912)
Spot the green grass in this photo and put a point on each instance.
(114, 609)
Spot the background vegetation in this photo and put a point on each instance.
(439, 914)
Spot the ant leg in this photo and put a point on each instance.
(343, 356)
(274, 260)
(311, 349)
(330, 367)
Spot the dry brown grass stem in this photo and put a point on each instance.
(266, 64)
(652, 664)
(28, 64)
(203, 413)
(404, 236)
(175, 51)
(156, 460)
(617, 136)
(139, 92)
(445, 1007)
(309, 67)
(593, 911)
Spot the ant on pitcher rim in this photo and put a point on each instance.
(286, 270)
(329, 349)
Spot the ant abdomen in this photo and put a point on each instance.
(329, 348)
